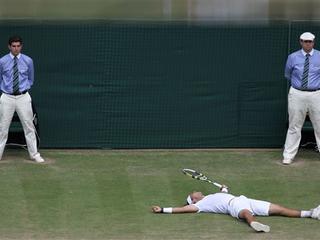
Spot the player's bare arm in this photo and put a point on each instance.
(184, 209)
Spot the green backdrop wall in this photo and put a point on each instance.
(117, 84)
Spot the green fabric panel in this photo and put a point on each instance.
(157, 84)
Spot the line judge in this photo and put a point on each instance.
(16, 78)
(303, 73)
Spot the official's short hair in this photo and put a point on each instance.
(14, 39)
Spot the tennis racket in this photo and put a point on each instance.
(199, 176)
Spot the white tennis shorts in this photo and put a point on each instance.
(256, 207)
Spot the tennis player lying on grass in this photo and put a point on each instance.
(239, 207)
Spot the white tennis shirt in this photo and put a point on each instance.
(215, 203)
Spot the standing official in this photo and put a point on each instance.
(303, 71)
(16, 78)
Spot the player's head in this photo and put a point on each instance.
(307, 41)
(15, 45)
(194, 197)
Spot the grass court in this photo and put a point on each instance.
(105, 194)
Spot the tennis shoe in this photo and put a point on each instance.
(259, 227)
(315, 213)
(38, 159)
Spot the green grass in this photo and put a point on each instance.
(108, 194)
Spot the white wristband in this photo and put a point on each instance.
(167, 210)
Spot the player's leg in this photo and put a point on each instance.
(7, 108)
(25, 113)
(279, 210)
(297, 110)
(251, 220)
(289, 212)
(241, 208)
(247, 216)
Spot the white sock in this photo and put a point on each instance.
(305, 214)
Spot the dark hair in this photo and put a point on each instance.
(15, 39)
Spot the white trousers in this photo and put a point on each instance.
(301, 103)
(22, 105)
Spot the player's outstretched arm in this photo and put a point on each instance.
(184, 209)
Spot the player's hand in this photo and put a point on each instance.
(224, 189)
(156, 209)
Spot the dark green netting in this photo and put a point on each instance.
(157, 84)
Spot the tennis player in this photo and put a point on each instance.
(239, 207)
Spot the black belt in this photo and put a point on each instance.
(308, 90)
(19, 93)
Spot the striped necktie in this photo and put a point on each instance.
(304, 83)
(15, 88)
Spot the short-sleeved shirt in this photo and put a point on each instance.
(25, 70)
(215, 203)
(295, 67)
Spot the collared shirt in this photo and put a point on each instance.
(215, 203)
(295, 65)
(26, 72)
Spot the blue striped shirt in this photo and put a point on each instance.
(26, 73)
(294, 69)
